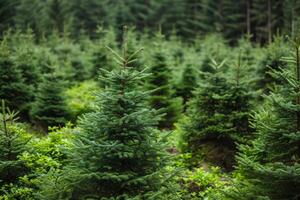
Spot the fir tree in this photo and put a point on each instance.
(7, 14)
(31, 14)
(85, 16)
(74, 62)
(133, 42)
(12, 145)
(233, 25)
(100, 57)
(217, 117)
(118, 154)
(240, 102)
(187, 83)
(272, 60)
(160, 81)
(49, 108)
(25, 61)
(57, 15)
(12, 85)
(270, 164)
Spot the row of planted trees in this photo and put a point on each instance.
(188, 19)
(120, 150)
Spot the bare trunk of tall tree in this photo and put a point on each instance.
(248, 16)
(298, 79)
(293, 22)
(269, 21)
(195, 10)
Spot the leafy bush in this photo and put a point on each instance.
(43, 155)
(79, 98)
(202, 183)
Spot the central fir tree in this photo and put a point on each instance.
(118, 154)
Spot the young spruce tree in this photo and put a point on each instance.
(217, 117)
(272, 60)
(118, 154)
(160, 81)
(49, 108)
(187, 83)
(12, 85)
(270, 164)
(100, 56)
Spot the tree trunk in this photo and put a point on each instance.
(298, 79)
(269, 28)
(248, 17)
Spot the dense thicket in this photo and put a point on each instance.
(189, 18)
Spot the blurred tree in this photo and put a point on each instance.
(86, 16)
(13, 88)
(7, 13)
(234, 19)
(187, 83)
(25, 61)
(49, 108)
(272, 60)
(162, 97)
(291, 19)
(57, 15)
(100, 58)
(267, 17)
(32, 14)
(217, 117)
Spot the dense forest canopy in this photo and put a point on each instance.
(150, 99)
(186, 18)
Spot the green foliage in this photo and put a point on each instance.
(270, 163)
(217, 117)
(72, 59)
(188, 19)
(79, 98)
(212, 47)
(271, 61)
(117, 153)
(52, 52)
(50, 108)
(13, 142)
(160, 82)
(7, 14)
(41, 156)
(187, 83)
(46, 154)
(12, 85)
(202, 183)
(100, 57)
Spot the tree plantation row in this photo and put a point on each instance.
(148, 117)
(185, 18)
